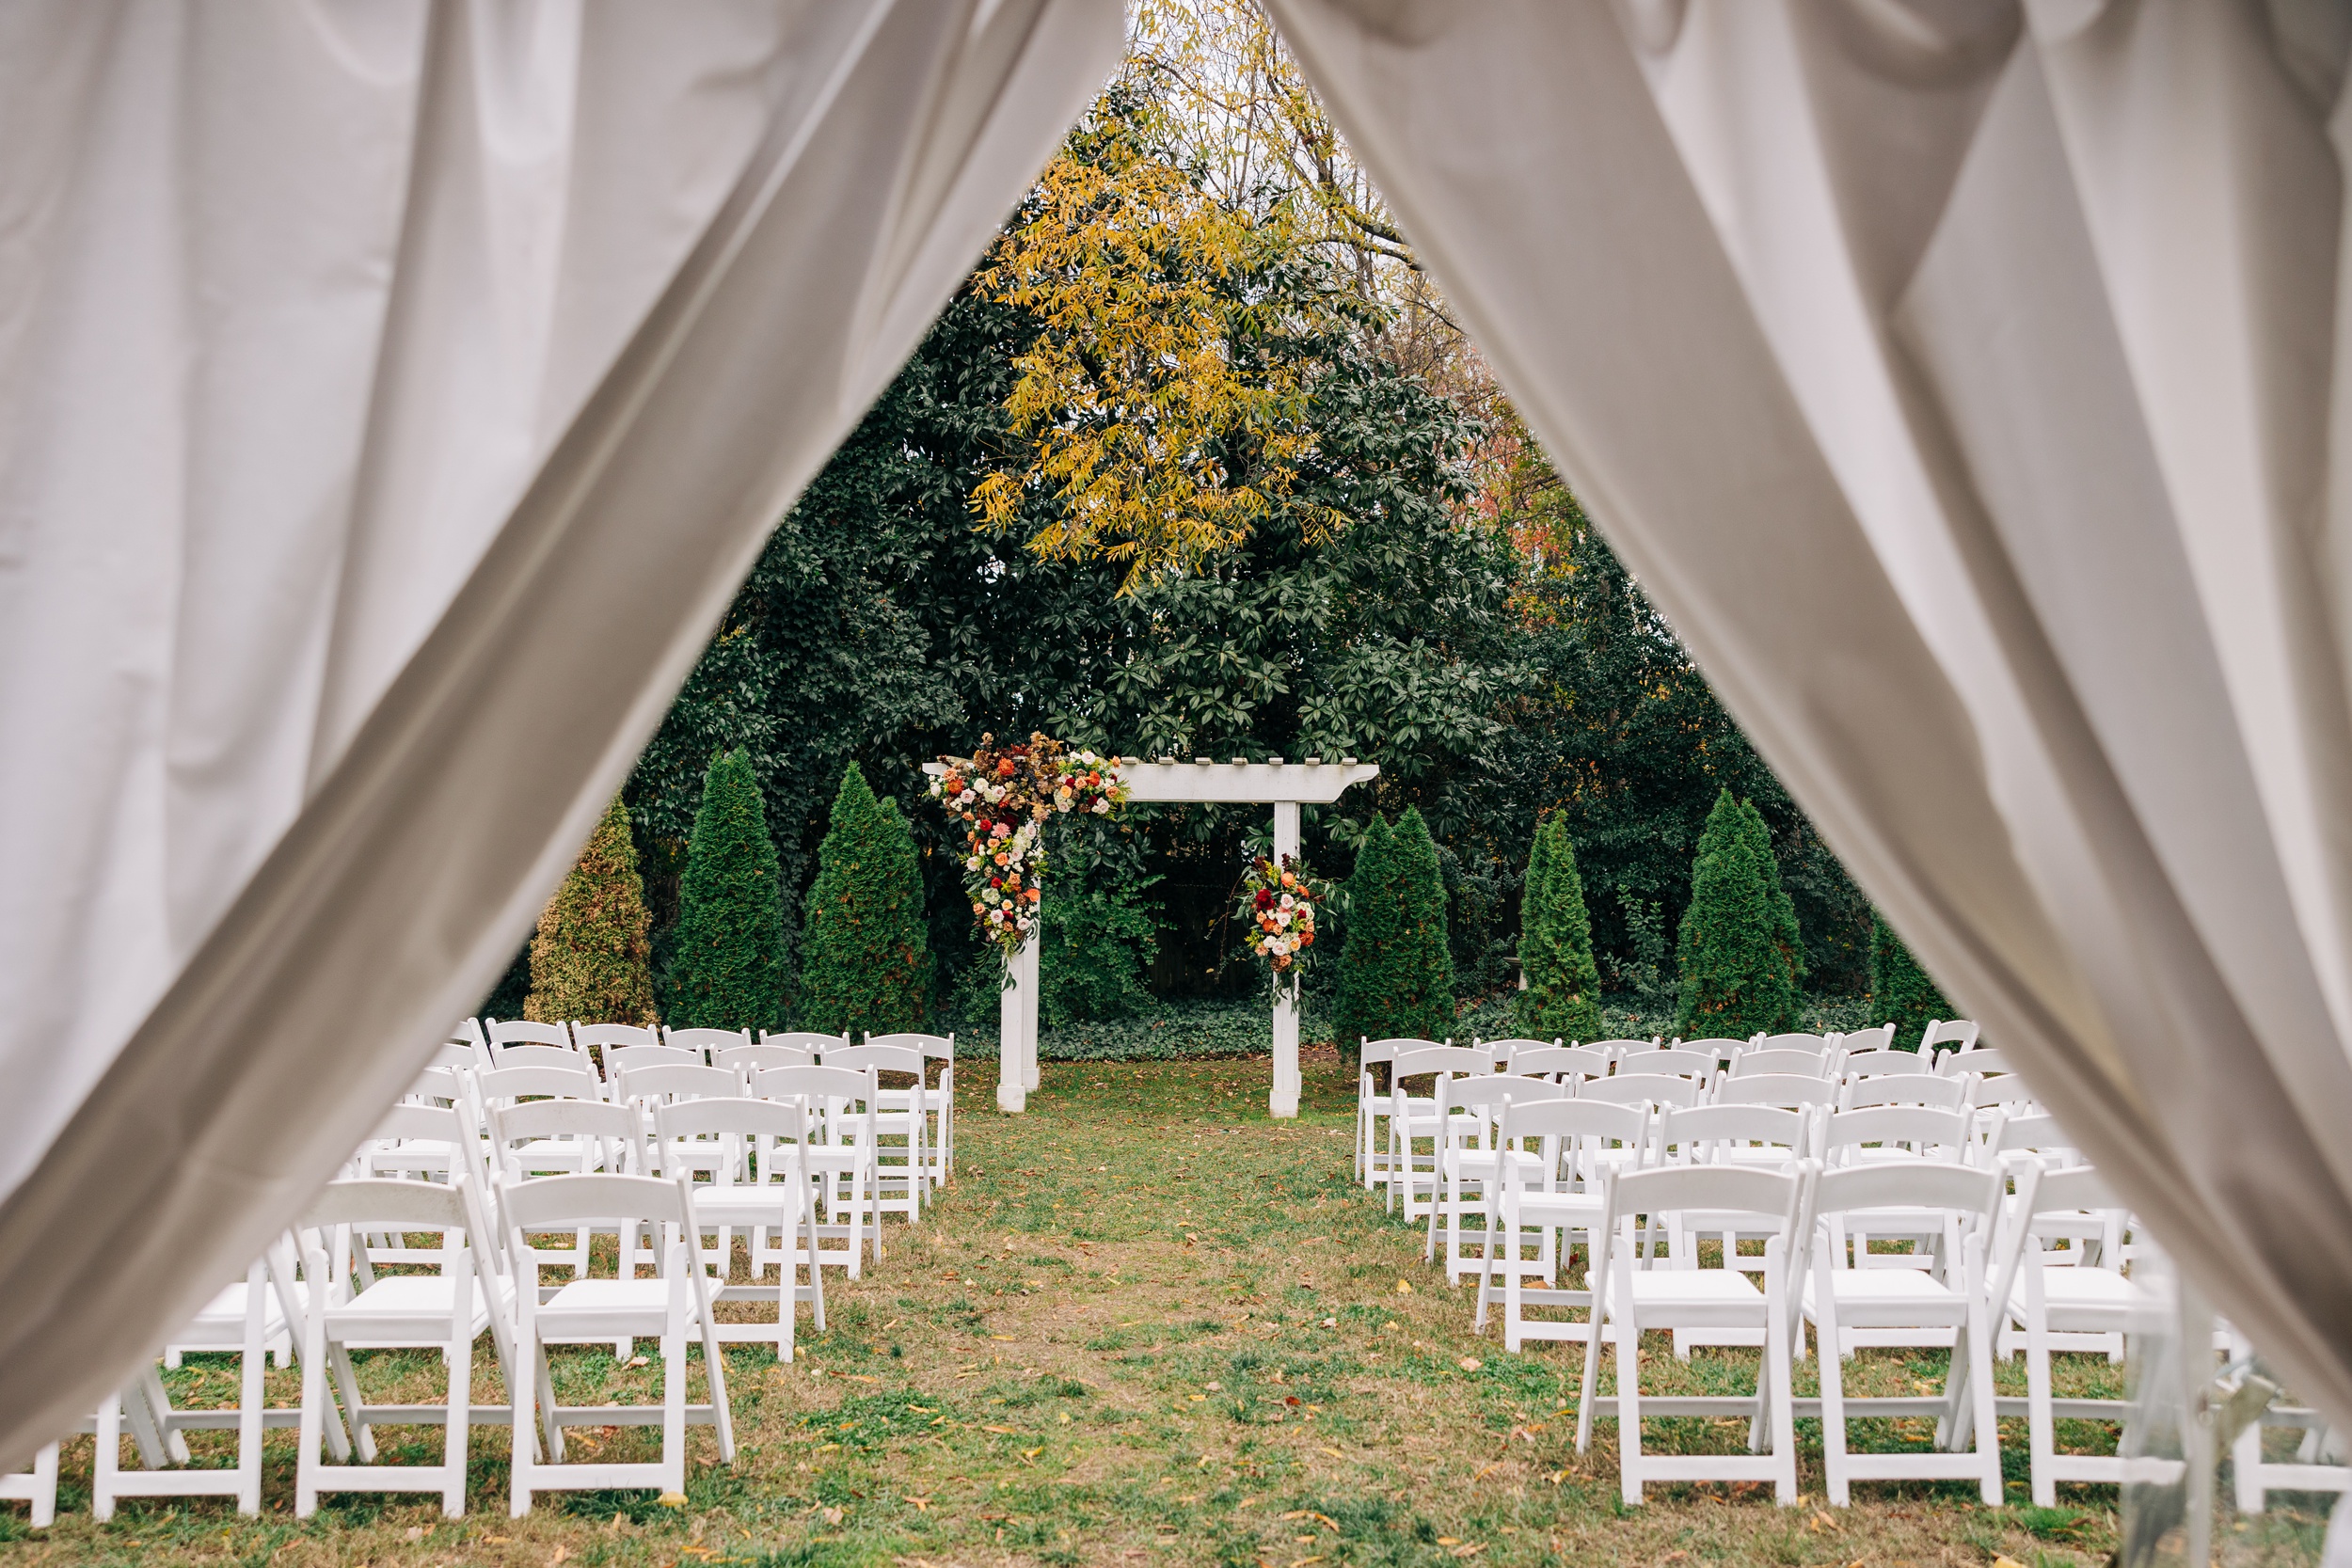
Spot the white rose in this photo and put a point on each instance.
(1102, 807)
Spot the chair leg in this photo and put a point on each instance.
(459, 1438)
(2041, 1446)
(674, 1397)
(1976, 1342)
(1777, 1372)
(253, 1364)
(109, 1459)
(311, 1430)
(1832, 1389)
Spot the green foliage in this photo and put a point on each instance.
(1786, 936)
(1563, 995)
(1098, 942)
(593, 961)
(728, 961)
(865, 960)
(1396, 970)
(1360, 1012)
(1737, 974)
(1901, 992)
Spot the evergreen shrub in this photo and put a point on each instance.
(1563, 996)
(1396, 969)
(727, 958)
(864, 957)
(1359, 1011)
(1901, 994)
(592, 959)
(1738, 971)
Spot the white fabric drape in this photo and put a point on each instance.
(392, 396)
(1963, 382)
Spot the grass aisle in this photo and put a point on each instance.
(1146, 1325)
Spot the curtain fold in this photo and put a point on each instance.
(392, 397)
(1960, 380)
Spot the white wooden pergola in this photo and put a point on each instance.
(1285, 786)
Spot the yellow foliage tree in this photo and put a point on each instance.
(1159, 437)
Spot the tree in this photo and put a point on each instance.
(1901, 994)
(728, 961)
(1421, 1002)
(1735, 975)
(1362, 1012)
(1787, 938)
(1563, 995)
(592, 959)
(865, 961)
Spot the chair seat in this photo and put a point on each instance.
(747, 1204)
(1471, 1162)
(1541, 1207)
(221, 1322)
(2098, 1300)
(600, 1308)
(397, 1306)
(1881, 1298)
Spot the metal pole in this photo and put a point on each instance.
(1284, 1100)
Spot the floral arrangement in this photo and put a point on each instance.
(1004, 797)
(1278, 911)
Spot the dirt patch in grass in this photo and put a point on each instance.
(1145, 1324)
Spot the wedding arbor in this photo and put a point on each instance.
(1285, 786)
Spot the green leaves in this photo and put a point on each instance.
(865, 962)
(1396, 969)
(1739, 962)
(727, 960)
(1901, 992)
(1563, 995)
(592, 960)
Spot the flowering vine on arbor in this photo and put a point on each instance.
(1004, 797)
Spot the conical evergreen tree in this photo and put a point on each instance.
(1423, 963)
(1735, 977)
(727, 968)
(1787, 935)
(1901, 992)
(1563, 995)
(1361, 1011)
(592, 959)
(864, 959)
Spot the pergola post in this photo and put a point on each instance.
(1016, 1050)
(1282, 1101)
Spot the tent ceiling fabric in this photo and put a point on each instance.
(392, 397)
(1958, 378)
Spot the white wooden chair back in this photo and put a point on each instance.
(504, 1086)
(1642, 1089)
(628, 1059)
(518, 1031)
(1748, 1062)
(1903, 1089)
(1666, 1060)
(705, 1040)
(808, 1040)
(759, 1058)
(1876, 1064)
(1958, 1032)
(1880, 1038)
(607, 1036)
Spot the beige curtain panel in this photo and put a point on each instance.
(392, 396)
(1967, 383)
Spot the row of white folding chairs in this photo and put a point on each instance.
(335, 1302)
(1983, 1258)
(921, 1117)
(1406, 1117)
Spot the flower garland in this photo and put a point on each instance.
(1278, 911)
(1004, 799)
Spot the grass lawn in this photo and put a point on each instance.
(1146, 1325)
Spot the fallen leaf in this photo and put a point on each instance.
(2007, 1563)
(922, 1505)
(1404, 1286)
(1333, 1453)
(1006, 1431)
(1469, 1363)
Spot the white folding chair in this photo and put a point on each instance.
(1876, 1064)
(706, 1042)
(2317, 1466)
(445, 1311)
(1578, 1142)
(1640, 1088)
(940, 1142)
(1821, 1045)
(506, 1033)
(1698, 1199)
(601, 1040)
(242, 1319)
(36, 1486)
(2091, 1299)
(1750, 1061)
(619, 1059)
(808, 1040)
(470, 1036)
(1878, 1037)
(1413, 1118)
(1759, 1136)
(1372, 1108)
(667, 1309)
(759, 1058)
(666, 1083)
(567, 1137)
(1945, 1301)
(1504, 1049)
(1671, 1061)
(1959, 1032)
(763, 1191)
(1786, 1090)
(837, 1146)
(1903, 1089)
(1982, 1062)
(1469, 1155)
(1614, 1049)
(1565, 1064)
(902, 1115)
